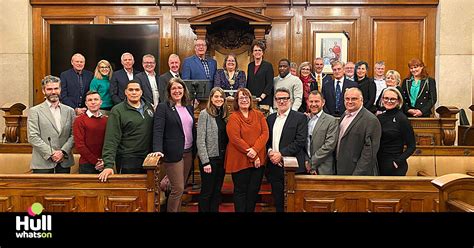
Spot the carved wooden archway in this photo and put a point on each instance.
(230, 30)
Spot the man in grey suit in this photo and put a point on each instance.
(359, 138)
(173, 63)
(323, 130)
(50, 131)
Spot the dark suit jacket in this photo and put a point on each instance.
(168, 134)
(162, 84)
(118, 84)
(71, 94)
(359, 145)
(427, 96)
(261, 82)
(329, 93)
(193, 69)
(293, 137)
(369, 91)
(142, 78)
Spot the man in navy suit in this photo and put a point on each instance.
(333, 90)
(199, 66)
(173, 63)
(75, 84)
(120, 78)
(148, 80)
(291, 143)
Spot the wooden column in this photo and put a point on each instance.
(152, 167)
(448, 120)
(290, 164)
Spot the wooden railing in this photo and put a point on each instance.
(82, 193)
(308, 193)
(456, 193)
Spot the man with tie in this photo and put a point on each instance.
(318, 75)
(359, 138)
(199, 66)
(173, 63)
(75, 84)
(333, 90)
(121, 77)
(323, 130)
(49, 131)
(288, 131)
(148, 80)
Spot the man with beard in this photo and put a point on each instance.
(50, 131)
(323, 131)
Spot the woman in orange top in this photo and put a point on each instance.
(245, 154)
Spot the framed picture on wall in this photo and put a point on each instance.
(330, 46)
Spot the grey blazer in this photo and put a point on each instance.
(41, 126)
(359, 146)
(207, 141)
(323, 143)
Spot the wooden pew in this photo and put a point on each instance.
(436, 131)
(308, 193)
(82, 193)
(456, 193)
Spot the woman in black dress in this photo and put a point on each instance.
(396, 133)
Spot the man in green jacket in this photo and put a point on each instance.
(128, 136)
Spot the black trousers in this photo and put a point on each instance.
(56, 170)
(211, 185)
(130, 165)
(246, 187)
(276, 177)
(88, 169)
(385, 162)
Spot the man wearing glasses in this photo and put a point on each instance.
(199, 66)
(290, 82)
(148, 80)
(291, 143)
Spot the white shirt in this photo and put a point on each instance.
(154, 88)
(129, 74)
(311, 124)
(341, 80)
(174, 74)
(380, 84)
(278, 129)
(90, 114)
(56, 112)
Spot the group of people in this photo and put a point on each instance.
(116, 119)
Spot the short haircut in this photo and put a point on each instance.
(133, 81)
(148, 56)
(126, 53)
(306, 63)
(173, 56)
(258, 43)
(245, 92)
(92, 92)
(354, 89)
(359, 63)
(396, 91)
(50, 79)
(317, 93)
(284, 59)
(380, 63)
(78, 55)
(283, 89)
(395, 74)
(294, 65)
(337, 62)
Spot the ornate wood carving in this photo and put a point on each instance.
(15, 122)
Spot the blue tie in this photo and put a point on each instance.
(338, 96)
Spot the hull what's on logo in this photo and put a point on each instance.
(34, 226)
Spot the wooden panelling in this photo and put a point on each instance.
(376, 32)
(362, 194)
(5, 204)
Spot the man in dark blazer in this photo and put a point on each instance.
(288, 131)
(359, 138)
(75, 84)
(50, 131)
(335, 104)
(199, 66)
(148, 80)
(323, 131)
(173, 63)
(120, 78)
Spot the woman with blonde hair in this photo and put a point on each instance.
(211, 144)
(101, 84)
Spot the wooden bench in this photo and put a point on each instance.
(456, 193)
(82, 193)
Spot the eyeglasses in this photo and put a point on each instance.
(282, 98)
(305, 69)
(351, 99)
(244, 98)
(392, 100)
(103, 67)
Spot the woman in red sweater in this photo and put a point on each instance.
(245, 154)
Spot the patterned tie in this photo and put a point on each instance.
(319, 83)
(338, 96)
